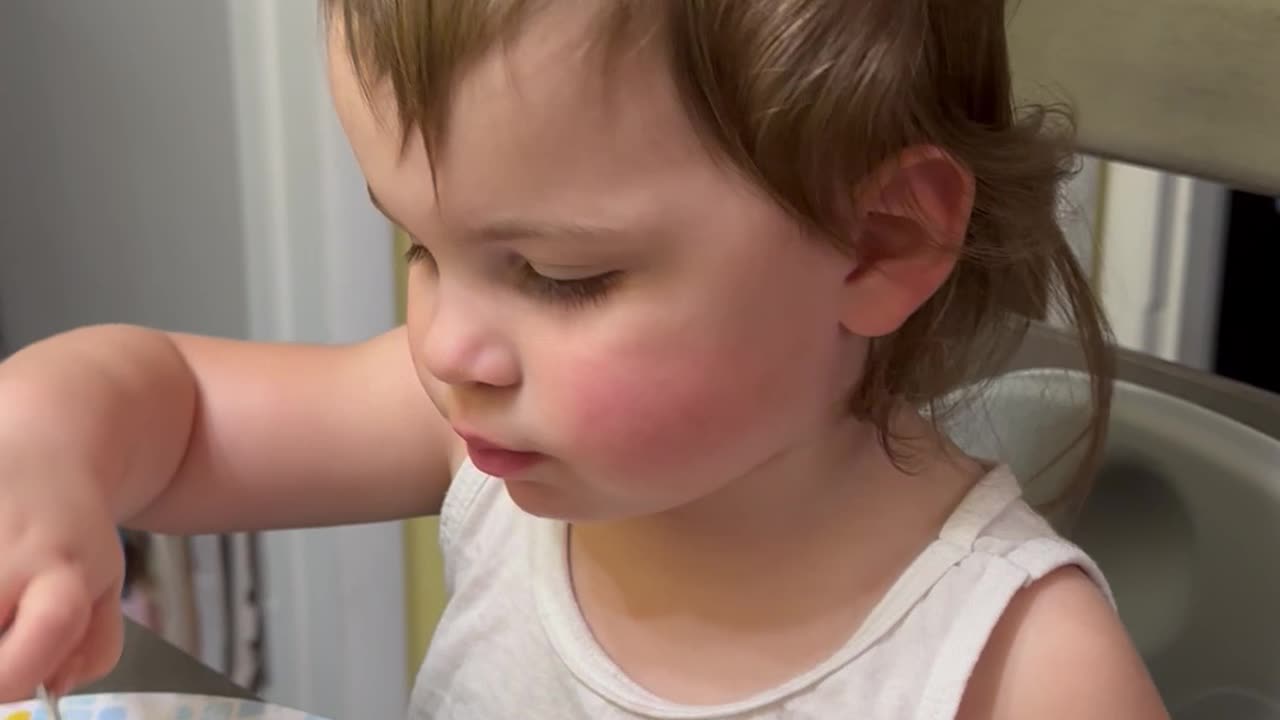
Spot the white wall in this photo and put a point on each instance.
(177, 164)
(119, 197)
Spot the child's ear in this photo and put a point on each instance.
(912, 217)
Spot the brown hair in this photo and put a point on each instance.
(809, 95)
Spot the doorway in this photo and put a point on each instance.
(1249, 299)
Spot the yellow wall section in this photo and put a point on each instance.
(423, 571)
(424, 585)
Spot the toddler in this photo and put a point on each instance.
(690, 284)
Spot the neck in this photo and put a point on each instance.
(827, 517)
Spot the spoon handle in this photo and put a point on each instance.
(50, 702)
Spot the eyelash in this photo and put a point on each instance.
(576, 292)
(416, 253)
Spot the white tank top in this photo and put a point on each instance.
(512, 643)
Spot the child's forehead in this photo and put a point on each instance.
(535, 122)
(544, 106)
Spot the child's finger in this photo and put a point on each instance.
(14, 576)
(100, 649)
(51, 618)
(15, 573)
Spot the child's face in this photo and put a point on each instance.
(697, 336)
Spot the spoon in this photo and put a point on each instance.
(50, 702)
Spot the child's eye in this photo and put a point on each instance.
(576, 291)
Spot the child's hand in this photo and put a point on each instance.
(61, 570)
(118, 425)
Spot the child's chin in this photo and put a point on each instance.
(544, 500)
(549, 501)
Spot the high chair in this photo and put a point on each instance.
(1185, 517)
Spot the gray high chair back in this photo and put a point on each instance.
(1185, 518)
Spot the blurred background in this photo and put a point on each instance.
(178, 165)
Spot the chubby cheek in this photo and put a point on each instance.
(650, 416)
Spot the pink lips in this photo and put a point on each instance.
(496, 460)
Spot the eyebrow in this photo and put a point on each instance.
(515, 229)
(507, 230)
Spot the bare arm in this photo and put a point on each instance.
(192, 434)
(1060, 652)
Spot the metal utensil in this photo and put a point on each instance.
(50, 702)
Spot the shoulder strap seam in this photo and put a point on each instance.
(1039, 557)
(984, 504)
(970, 631)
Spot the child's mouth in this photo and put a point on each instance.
(496, 460)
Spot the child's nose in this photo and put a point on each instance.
(461, 348)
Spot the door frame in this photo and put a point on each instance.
(1162, 243)
(318, 269)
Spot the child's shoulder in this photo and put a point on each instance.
(1060, 651)
(1015, 621)
(1058, 648)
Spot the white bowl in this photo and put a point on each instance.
(152, 706)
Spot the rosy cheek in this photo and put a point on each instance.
(645, 414)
